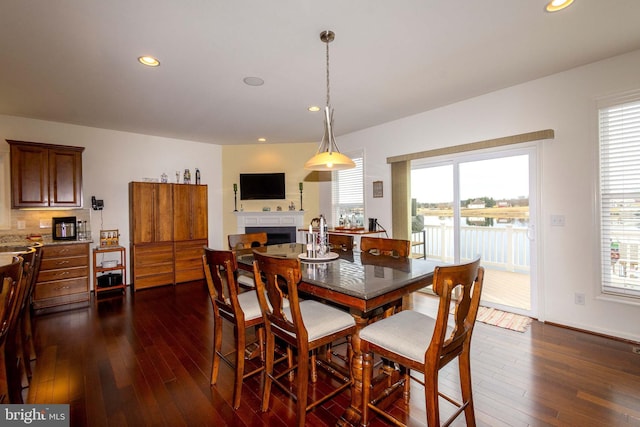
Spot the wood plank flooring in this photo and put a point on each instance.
(145, 359)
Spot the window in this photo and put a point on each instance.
(347, 194)
(619, 131)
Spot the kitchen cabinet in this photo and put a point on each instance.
(168, 228)
(63, 279)
(45, 175)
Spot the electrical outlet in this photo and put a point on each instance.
(579, 298)
(45, 223)
(21, 225)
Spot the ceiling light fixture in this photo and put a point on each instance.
(314, 108)
(149, 61)
(328, 157)
(262, 139)
(253, 81)
(556, 5)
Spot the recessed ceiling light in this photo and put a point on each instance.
(262, 139)
(149, 61)
(314, 108)
(253, 81)
(556, 5)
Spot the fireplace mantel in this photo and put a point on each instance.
(270, 219)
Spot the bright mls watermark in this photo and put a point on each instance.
(34, 415)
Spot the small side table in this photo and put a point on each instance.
(108, 274)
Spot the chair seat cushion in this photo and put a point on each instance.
(246, 279)
(407, 333)
(321, 319)
(250, 306)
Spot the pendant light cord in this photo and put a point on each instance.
(328, 96)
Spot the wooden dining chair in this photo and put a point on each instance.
(242, 310)
(26, 325)
(304, 325)
(425, 344)
(341, 241)
(383, 246)
(246, 241)
(17, 353)
(10, 278)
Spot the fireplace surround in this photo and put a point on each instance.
(280, 226)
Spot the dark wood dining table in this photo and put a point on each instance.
(362, 283)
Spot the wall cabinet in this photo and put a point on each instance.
(45, 175)
(64, 276)
(168, 228)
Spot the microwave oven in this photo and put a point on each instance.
(64, 228)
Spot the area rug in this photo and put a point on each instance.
(503, 319)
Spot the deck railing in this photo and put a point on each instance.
(505, 248)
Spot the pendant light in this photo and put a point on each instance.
(328, 157)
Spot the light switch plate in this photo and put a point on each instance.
(557, 220)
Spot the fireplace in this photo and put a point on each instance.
(275, 235)
(280, 226)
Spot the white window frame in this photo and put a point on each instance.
(336, 203)
(618, 192)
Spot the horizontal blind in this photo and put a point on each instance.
(619, 131)
(347, 189)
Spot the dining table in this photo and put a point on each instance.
(361, 282)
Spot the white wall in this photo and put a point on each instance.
(568, 256)
(112, 159)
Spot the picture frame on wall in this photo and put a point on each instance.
(377, 189)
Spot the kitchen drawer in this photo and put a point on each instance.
(60, 287)
(57, 263)
(63, 273)
(56, 251)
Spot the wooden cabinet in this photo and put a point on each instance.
(64, 276)
(150, 212)
(45, 175)
(169, 227)
(190, 212)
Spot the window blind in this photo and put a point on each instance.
(347, 191)
(619, 134)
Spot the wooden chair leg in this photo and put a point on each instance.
(431, 399)
(292, 374)
(268, 369)
(464, 363)
(367, 373)
(313, 369)
(217, 347)
(302, 385)
(237, 387)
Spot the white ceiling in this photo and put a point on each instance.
(74, 61)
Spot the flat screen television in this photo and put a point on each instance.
(262, 186)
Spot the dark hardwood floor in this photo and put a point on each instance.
(145, 359)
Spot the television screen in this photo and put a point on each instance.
(262, 186)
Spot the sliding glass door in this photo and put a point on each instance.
(482, 204)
